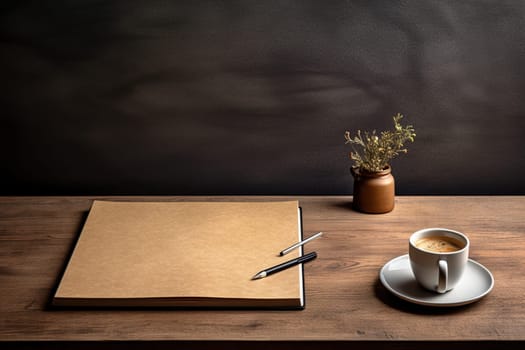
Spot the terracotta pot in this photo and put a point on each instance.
(373, 192)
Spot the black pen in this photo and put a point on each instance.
(285, 265)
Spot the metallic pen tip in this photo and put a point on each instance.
(261, 274)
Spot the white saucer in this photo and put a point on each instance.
(397, 277)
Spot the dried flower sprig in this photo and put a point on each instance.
(372, 152)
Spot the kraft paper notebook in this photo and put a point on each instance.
(184, 254)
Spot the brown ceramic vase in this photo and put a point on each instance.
(374, 193)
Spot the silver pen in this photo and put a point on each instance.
(298, 244)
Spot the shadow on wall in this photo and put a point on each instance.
(251, 97)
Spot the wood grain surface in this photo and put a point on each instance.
(345, 302)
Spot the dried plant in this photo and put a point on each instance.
(372, 152)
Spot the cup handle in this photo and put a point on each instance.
(443, 276)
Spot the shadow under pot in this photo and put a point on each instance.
(374, 192)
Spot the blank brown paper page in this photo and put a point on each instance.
(134, 250)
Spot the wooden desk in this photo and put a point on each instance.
(345, 302)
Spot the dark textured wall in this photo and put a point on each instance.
(240, 97)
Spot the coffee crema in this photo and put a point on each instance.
(439, 244)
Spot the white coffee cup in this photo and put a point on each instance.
(438, 257)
